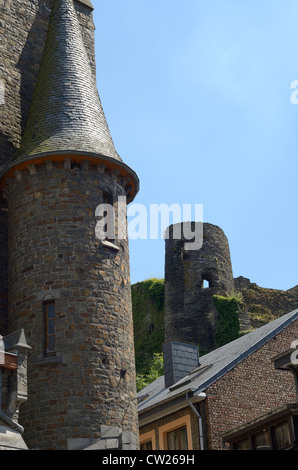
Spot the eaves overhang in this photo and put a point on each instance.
(9, 170)
(169, 406)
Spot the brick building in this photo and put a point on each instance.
(237, 396)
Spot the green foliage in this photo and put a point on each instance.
(237, 295)
(155, 371)
(148, 317)
(259, 313)
(228, 327)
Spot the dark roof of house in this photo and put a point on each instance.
(213, 365)
(66, 112)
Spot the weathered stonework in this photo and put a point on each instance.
(190, 315)
(23, 31)
(261, 305)
(87, 383)
(3, 267)
(54, 254)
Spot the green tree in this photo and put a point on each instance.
(155, 371)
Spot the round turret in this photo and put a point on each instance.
(192, 277)
(69, 287)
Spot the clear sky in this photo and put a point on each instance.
(197, 95)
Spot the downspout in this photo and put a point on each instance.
(3, 416)
(199, 422)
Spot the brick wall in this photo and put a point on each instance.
(251, 389)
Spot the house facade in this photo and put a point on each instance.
(237, 396)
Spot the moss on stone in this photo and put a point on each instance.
(228, 327)
(148, 316)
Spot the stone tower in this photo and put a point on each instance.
(192, 277)
(68, 289)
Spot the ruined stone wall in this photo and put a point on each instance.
(54, 254)
(190, 315)
(261, 305)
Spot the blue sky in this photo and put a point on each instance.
(197, 95)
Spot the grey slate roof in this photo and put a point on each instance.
(66, 112)
(213, 365)
(87, 2)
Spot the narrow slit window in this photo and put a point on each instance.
(109, 228)
(107, 198)
(49, 328)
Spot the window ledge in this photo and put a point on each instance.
(45, 360)
(110, 245)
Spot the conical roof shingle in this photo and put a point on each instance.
(66, 112)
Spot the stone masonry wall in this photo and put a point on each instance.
(3, 268)
(190, 315)
(250, 389)
(261, 305)
(54, 254)
(23, 30)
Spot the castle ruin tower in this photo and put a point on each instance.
(68, 287)
(192, 277)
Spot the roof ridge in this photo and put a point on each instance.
(278, 326)
(220, 363)
(66, 111)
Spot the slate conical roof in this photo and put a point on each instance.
(66, 112)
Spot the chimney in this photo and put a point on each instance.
(179, 360)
